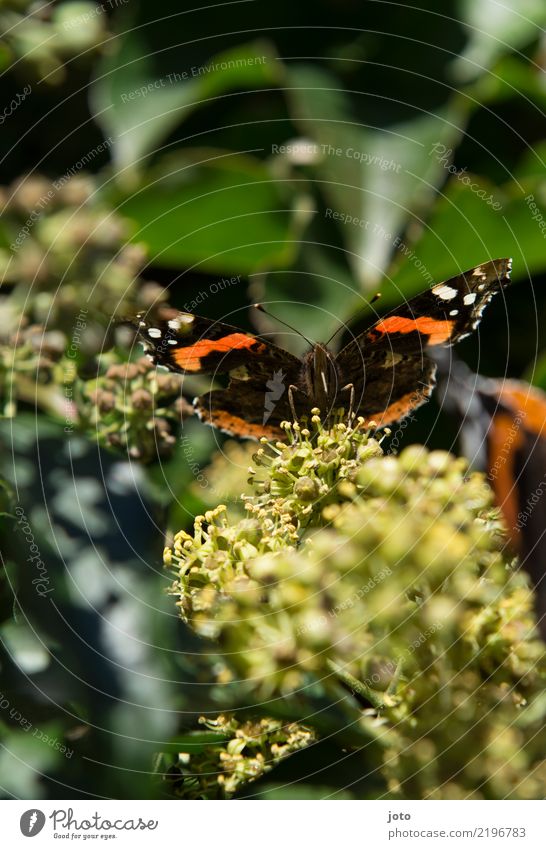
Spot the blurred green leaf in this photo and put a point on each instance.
(496, 28)
(23, 761)
(215, 211)
(315, 295)
(375, 181)
(532, 166)
(24, 646)
(138, 107)
(5, 57)
(514, 77)
(170, 484)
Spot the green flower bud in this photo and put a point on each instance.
(306, 489)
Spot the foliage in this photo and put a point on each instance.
(155, 158)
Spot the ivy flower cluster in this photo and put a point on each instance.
(60, 235)
(134, 409)
(387, 576)
(248, 750)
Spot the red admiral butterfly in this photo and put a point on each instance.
(502, 427)
(382, 374)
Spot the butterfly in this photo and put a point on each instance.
(502, 431)
(382, 374)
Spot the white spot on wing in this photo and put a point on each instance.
(154, 333)
(470, 298)
(454, 312)
(446, 293)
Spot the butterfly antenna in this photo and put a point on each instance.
(261, 308)
(342, 326)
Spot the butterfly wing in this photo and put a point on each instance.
(243, 410)
(388, 364)
(516, 449)
(502, 431)
(256, 399)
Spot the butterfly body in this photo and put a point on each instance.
(319, 379)
(382, 374)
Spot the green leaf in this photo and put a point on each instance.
(6, 57)
(138, 108)
(375, 182)
(531, 167)
(194, 742)
(212, 210)
(170, 483)
(514, 78)
(496, 27)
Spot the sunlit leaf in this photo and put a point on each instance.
(496, 27)
(137, 107)
(375, 182)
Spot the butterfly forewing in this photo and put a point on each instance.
(260, 373)
(388, 363)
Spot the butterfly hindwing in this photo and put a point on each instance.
(243, 410)
(394, 385)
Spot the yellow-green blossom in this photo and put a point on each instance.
(390, 577)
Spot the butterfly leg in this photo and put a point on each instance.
(291, 389)
(350, 388)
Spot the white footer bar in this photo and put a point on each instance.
(275, 824)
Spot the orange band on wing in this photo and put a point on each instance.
(528, 402)
(400, 408)
(437, 331)
(191, 358)
(237, 426)
(505, 437)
